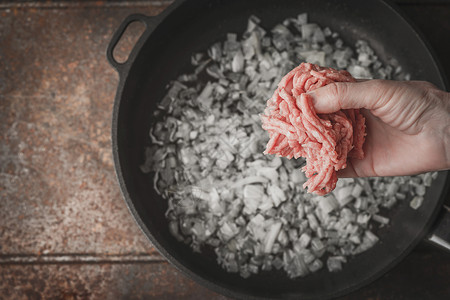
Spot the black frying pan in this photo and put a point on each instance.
(163, 52)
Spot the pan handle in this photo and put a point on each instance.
(149, 23)
(440, 233)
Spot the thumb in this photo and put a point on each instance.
(345, 95)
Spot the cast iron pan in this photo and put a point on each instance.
(163, 52)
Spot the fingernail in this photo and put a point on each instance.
(312, 96)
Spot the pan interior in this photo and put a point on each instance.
(192, 26)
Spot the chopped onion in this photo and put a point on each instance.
(380, 219)
(271, 236)
(416, 202)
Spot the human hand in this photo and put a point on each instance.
(408, 125)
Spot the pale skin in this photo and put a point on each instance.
(408, 125)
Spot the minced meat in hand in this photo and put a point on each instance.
(325, 140)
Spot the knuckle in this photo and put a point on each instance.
(338, 90)
(427, 90)
(379, 84)
(425, 84)
(338, 94)
(384, 91)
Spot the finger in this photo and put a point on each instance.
(348, 172)
(345, 95)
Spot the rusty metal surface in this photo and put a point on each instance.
(57, 185)
(422, 275)
(65, 232)
(99, 281)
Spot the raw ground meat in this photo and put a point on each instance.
(325, 140)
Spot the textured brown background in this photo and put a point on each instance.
(65, 232)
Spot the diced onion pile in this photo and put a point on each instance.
(222, 192)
